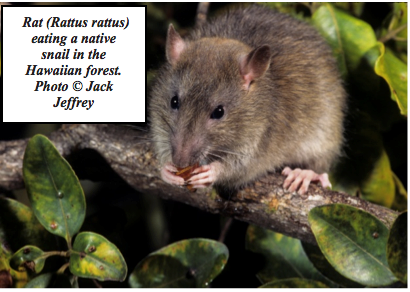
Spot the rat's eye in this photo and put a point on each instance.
(175, 102)
(218, 112)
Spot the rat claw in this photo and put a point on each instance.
(295, 184)
(305, 186)
(300, 180)
(286, 170)
(205, 175)
(324, 181)
(168, 175)
(170, 167)
(202, 168)
(202, 178)
(290, 177)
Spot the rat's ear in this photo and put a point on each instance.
(254, 64)
(175, 45)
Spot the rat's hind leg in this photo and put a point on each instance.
(301, 178)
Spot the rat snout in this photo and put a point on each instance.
(185, 152)
(181, 157)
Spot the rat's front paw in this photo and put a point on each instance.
(205, 175)
(301, 178)
(168, 175)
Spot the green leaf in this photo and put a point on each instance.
(54, 191)
(284, 256)
(349, 37)
(19, 227)
(187, 263)
(28, 258)
(399, 18)
(394, 71)
(400, 199)
(321, 264)
(398, 39)
(161, 271)
(49, 280)
(397, 248)
(74, 281)
(379, 187)
(8, 276)
(354, 243)
(294, 283)
(93, 256)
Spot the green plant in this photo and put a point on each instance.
(191, 263)
(58, 207)
(354, 249)
(58, 204)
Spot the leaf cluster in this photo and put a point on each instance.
(374, 66)
(58, 208)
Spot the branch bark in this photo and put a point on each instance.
(129, 153)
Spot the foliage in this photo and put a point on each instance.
(347, 235)
(52, 185)
(187, 263)
(351, 253)
(59, 206)
(352, 246)
(397, 248)
(285, 257)
(294, 283)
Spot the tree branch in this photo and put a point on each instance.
(129, 153)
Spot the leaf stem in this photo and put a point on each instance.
(53, 253)
(98, 285)
(399, 39)
(391, 34)
(63, 267)
(225, 229)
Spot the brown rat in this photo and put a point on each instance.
(249, 92)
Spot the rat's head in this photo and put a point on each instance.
(203, 106)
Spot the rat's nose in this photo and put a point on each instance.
(185, 151)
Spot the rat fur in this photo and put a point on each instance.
(277, 85)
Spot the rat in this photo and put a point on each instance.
(250, 92)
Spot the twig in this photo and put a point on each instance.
(63, 267)
(54, 253)
(225, 229)
(98, 285)
(391, 34)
